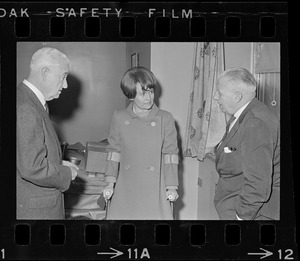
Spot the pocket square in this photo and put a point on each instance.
(227, 150)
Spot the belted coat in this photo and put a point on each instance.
(142, 175)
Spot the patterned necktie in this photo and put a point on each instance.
(227, 128)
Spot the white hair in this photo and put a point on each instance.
(241, 79)
(47, 56)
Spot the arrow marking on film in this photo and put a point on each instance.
(265, 254)
(115, 253)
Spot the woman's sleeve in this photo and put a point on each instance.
(170, 157)
(113, 151)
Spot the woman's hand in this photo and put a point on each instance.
(172, 195)
(108, 191)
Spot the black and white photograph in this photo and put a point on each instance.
(148, 131)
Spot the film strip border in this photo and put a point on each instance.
(144, 21)
(162, 27)
(151, 240)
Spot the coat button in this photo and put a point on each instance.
(126, 122)
(153, 123)
(152, 168)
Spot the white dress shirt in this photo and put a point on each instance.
(238, 114)
(36, 91)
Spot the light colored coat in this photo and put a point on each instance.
(41, 179)
(249, 182)
(140, 190)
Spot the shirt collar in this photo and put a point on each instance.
(152, 113)
(36, 91)
(240, 110)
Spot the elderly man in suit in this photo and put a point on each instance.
(42, 176)
(248, 156)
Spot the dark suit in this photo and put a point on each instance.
(249, 182)
(41, 178)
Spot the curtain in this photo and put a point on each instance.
(205, 121)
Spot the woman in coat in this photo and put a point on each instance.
(142, 163)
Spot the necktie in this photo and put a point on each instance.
(46, 107)
(227, 128)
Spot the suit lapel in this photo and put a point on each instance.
(229, 136)
(31, 95)
(234, 129)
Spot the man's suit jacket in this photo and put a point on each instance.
(248, 162)
(41, 178)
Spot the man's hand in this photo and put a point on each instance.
(73, 168)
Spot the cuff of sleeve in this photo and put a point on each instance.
(114, 156)
(110, 179)
(171, 158)
(66, 180)
(171, 187)
(112, 168)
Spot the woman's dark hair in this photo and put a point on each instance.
(137, 75)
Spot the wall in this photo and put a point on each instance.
(83, 112)
(238, 55)
(172, 65)
(208, 178)
(144, 51)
